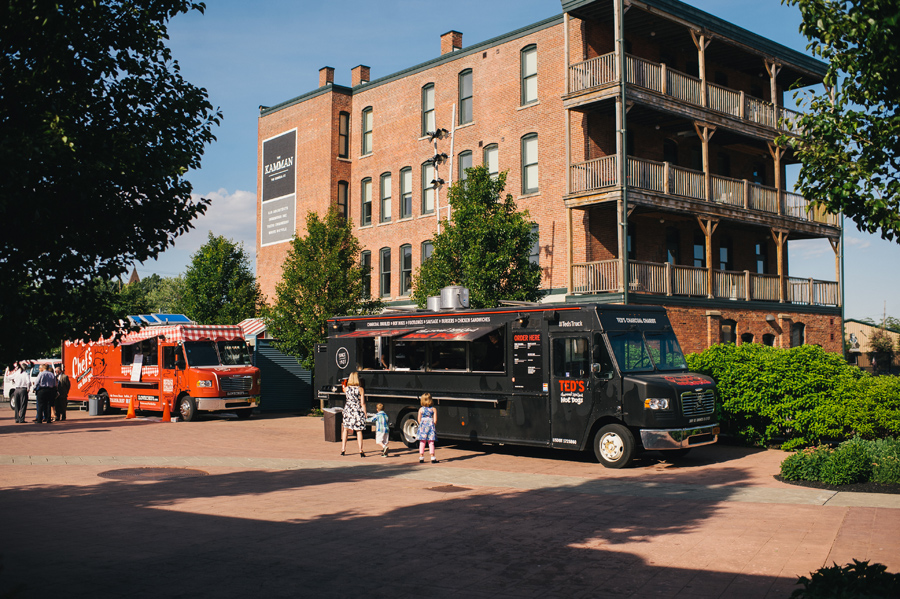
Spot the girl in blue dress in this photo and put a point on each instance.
(427, 421)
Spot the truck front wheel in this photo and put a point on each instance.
(12, 399)
(614, 446)
(187, 408)
(409, 429)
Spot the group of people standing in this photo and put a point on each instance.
(51, 389)
(355, 419)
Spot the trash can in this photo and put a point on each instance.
(334, 418)
(93, 405)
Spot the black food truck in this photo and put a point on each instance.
(569, 376)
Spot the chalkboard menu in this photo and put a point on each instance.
(527, 368)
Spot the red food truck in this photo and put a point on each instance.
(194, 368)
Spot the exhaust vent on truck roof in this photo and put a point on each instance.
(454, 297)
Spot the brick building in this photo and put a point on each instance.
(708, 215)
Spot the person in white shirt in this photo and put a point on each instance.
(23, 383)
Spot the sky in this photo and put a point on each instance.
(248, 54)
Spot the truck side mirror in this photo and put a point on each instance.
(179, 363)
(597, 369)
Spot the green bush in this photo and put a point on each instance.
(886, 471)
(849, 463)
(858, 580)
(806, 464)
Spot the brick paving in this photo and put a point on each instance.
(281, 514)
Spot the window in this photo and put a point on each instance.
(535, 256)
(699, 250)
(344, 135)
(365, 216)
(428, 108)
(769, 339)
(726, 254)
(406, 192)
(673, 246)
(487, 352)
(409, 355)
(365, 261)
(746, 338)
(427, 189)
(465, 161)
(798, 334)
(465, 97)
(728, 331)
(367, 131)
(427, 250)
(529, 75)
(386, 198)
(373, 353)
(385, 272)
(571, 357)
(343, 197)
(405, 269)
(762, 257)
(530, 163)
(759, 174)
(670, 151)
(492, 160)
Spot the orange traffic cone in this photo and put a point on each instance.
(130, 413)
(167, 415)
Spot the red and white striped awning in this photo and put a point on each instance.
(252, 326)
(181, 333)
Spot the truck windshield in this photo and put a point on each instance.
(234, 353)
(630, 351)
(201, 353)
(665, 351)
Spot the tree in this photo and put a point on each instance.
(486, 246)
(165, 297)
(322, 277)
(219, 285)
(97, 131)
(849, 144)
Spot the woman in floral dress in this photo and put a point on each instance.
(427, 421)
(354, 413)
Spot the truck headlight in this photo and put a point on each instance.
(204, 383)
(656, 403)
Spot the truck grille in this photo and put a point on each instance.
(698, 403)
(236, 383)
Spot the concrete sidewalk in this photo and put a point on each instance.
(276, 511)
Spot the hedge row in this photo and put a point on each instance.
(853, 461)
(799, 397)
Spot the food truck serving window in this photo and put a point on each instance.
(473, 349)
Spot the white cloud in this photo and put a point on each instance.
(857, 242)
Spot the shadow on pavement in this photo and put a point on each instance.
(349, 531)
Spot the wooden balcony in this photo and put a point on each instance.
(665, 178)
(602, 71)
(689, 281)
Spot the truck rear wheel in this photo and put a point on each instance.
(614, 446)
(12, 399)
(103, 398)
(409, 429)
(187, 408)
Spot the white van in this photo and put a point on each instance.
(9, 389)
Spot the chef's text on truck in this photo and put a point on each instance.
(192, 368)
(611, 379)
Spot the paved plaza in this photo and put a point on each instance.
(267, 508)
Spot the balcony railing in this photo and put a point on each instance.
(663, 177)
(677, 280)
(657, 77)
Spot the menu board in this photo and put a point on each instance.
(527, 368)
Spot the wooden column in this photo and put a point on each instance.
(701, 43)
(773, 68)
(780, 237)
(777, 153)
(708, 226)
(705, 133)
(836, 246)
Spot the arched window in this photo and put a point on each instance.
(343, 197)
(427, 250)
(385, 270)
(528, 69)
(367, 125)
(798, 334)
(728, 330)
(405, 269)
(492, 159)
(465, 97)
(406, 192)
(465, 161)
(769, 339)
(530, 176)
(344, 135)
(428, 108)
(427, 188)
(365, 213)
(386, 197)
(365, 260)
(747, 338)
